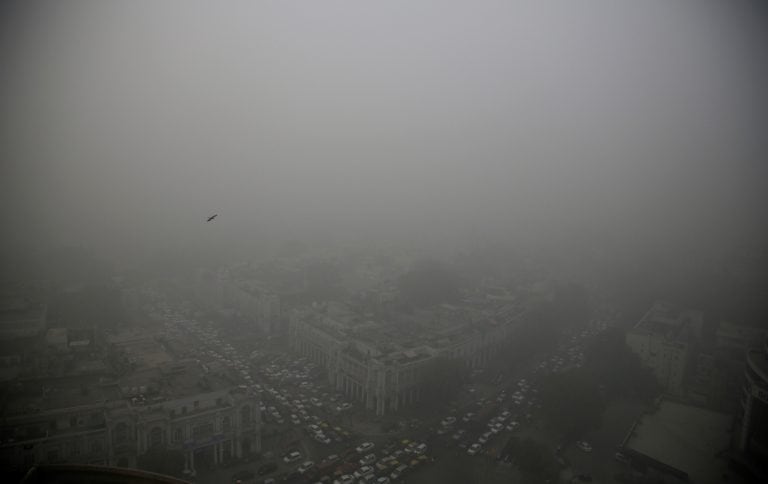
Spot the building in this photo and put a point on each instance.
(21, 317)
(181, 406)
(666, 340)
(245, 298)
(380, 363)
(752, 443)
(676, 442)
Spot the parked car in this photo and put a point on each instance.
(345, 479)
(365, 447)
(363, 471)
(292, 457)
(398, 473)
(474, 449)
(584, 446)
(368, 460)
(305, 466)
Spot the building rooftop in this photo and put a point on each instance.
(688, 439)
(670, 322)
(404, 337)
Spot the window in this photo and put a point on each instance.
(155, 437)
(226, 424)
(96, 446)
(53, 455)
(74, 448)
(245, 415)
(121, 432)
(177, 435)
(202, 430)
(197, 404)
(73, 421)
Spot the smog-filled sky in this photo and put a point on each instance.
(125, 124)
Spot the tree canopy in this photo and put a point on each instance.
(572, 402)
(441, 379)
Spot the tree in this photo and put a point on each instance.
(535, 461)
(614, 365)
(441, 379)
(572, 402)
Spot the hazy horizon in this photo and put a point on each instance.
(124, 125)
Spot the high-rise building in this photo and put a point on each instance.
(665, 340)
(752, 441)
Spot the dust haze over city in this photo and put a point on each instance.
(454, 241)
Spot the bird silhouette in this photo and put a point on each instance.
(212, 217)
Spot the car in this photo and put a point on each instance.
(292, 457)
(305, 467)
(474, 449)
(497, 427)
(383, 480)
(621, 457)
(512, 425)
(485, 437)
(345, 479)
(363, 471)
(322, 438)
(343, 407)
(365, 447)
(266, 468)
(447, 421)
(368, 459)
(398, 473)
(420, 449)
(584, 446)
(329, 460)
(468, 416)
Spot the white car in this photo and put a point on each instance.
(322, 438)
(305, 466)
(365, 447)
(474, 449)
(292, 457)
(447, 421)
(345, 479)
(363, 471)
(584, 446)
(368, 459)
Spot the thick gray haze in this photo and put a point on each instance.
(125, 124)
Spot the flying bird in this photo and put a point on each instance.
(212, 217)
